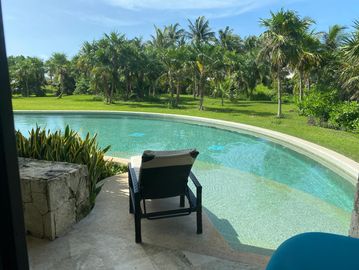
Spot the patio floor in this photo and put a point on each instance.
(105, 240)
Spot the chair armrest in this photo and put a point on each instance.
(195, 180)
(133, 177)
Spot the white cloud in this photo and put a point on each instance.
(243, 5)
(108, 21)
(102, 19)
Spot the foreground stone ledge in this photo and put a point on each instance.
(55, 196)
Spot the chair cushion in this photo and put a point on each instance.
(163, 174)
(158, 159)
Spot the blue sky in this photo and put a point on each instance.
(41, 27)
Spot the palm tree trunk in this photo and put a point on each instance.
(177, 93)
(112, 90)
(300, 86)
(27, 88)
(154, 89)
(279, 114)
(171, 88)
(194, 86)
(128, 87)
(201, 92)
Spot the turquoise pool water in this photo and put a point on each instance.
(256, 192)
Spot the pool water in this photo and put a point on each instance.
(256, 192)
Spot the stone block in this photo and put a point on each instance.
(55, 196)
(26, 191)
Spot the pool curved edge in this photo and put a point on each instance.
(339, 163)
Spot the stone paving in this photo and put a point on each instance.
(105, 240)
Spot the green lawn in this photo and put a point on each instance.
(255, 113)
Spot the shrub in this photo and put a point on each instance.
(345, 116)
(39, 92)
(286, 98)
(317, 104)
(82, 86)
(68, 146)
(263, 93)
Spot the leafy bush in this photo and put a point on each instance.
(68, 146)
(345, 116)
(286, 98)
(82, 86)
(323, 108)
(317, 104)
(263, 93)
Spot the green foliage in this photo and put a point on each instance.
(345, 116)
(330, 112)
(317, 104)
(350, 72)
(68, 146)
(27, 75)
(262, 92)
(82, 86)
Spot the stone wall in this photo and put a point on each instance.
(55, 195)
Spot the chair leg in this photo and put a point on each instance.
(130, 203)
(137, 215)
(138, 228)
(181, 200)
(130, 206)
(199, 220)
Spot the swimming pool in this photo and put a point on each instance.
(256, 192)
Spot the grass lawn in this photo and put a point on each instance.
(257, 113)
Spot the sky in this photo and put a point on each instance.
(41, 27)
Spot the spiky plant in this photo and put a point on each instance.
(68, 146)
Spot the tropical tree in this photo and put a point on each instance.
(223, 88)
(228, 40)
(199, 31)
(59, 69)
(201, 36)
(284, 32)
(308, 58)
(27, 75)
(350, 71)
(329, 70)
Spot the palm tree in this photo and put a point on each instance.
(331, 60)
(333, 39)
(350, 72)
(309, 57)
(58, 67)
(199, 31)
(174, 34)
(159, 40)
(281, 43)
(115, 43)
(228, 40)
(201, 36)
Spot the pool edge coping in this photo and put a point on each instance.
(339, 163)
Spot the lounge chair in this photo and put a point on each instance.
(163, 174)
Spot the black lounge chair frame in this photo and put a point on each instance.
(135, 198)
